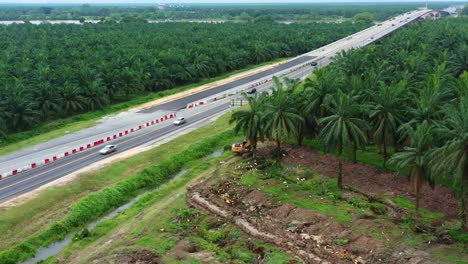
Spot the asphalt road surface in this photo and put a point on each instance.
(182, 103)
(22, 183)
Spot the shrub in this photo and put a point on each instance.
(379, 209)
(359, 203)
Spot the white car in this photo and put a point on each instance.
(107, 149)
(179, 121)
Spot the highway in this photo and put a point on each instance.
(13, 186)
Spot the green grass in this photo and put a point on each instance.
(453, 254)
(424, 215)
(340, 241)
(54, 203)
(61, 127)
(371, 156)
(154, 214)
(321, 193)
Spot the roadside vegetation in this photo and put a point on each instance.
(170, 231)
(408, 97)
(50, 130)
(101, 191)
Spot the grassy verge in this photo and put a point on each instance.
(371, 156)
(58, 128)
(164, 219)
(55, 203)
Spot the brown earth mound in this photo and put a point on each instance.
(372, 180)
(138, 257)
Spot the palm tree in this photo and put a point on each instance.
(20, 110)
(249, 121)
(281, 116)
(462, 86)
(321, 85)
(47, 100)
(452, 158)
(386, 112)
(95, 95)
(72, 100)
(2, 126)
(427, 103)
(308, 125)
(459, 60)
(352, 62)
(416, 157)
(342, 127)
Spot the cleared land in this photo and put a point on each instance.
(300, 208)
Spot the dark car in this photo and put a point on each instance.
(314, 63)
(252, 91)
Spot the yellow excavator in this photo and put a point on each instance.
(246, 146)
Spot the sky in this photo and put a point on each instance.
(204, 1)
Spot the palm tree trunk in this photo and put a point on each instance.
(278, 142)
(354, 153)
(254, 149)
(300, 137)
(384, 151)
(340, 168)
(464, 196)
(417, 185)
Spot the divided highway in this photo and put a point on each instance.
(14, 186)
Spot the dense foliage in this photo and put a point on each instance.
(408, 95)
(53, 71)
(244, 12)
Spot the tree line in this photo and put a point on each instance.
(407, 96)
(49, 72)
(245, 12)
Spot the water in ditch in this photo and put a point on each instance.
(56, 247)
(216, 153)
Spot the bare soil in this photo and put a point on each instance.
(303, 234)
(138, 257)
(309, 236)
(371, 180)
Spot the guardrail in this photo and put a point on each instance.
(47, 160)
(248, 86)
(285, 72)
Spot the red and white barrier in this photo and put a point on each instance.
(85, 147)
(223, 96)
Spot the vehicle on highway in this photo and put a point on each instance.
(252, 91)
(107, 149)
(180, 121)
(314, 63)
